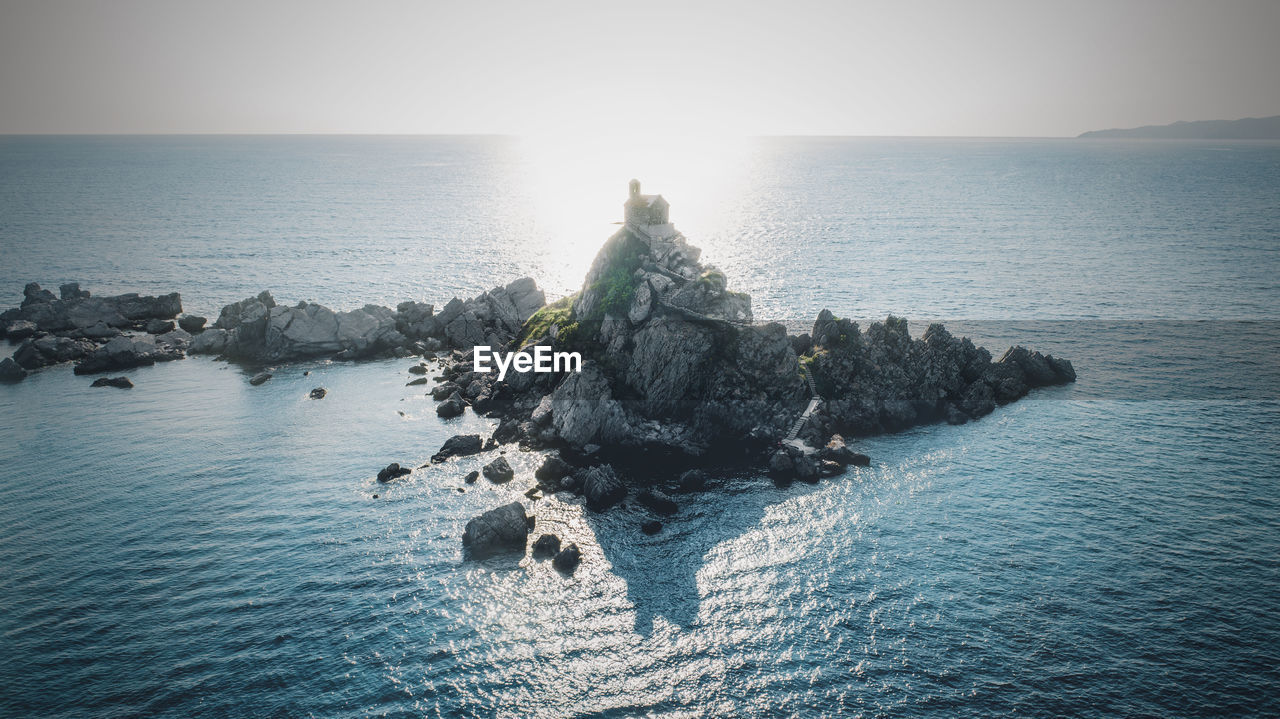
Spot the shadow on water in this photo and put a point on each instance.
(661, 571)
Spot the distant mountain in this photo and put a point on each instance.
(1250, 128)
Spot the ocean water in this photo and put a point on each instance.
(198, 547)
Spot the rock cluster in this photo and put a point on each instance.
(883, 380)
(124, 331)
(92, 331)
(256, 329)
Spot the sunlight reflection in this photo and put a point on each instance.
(578, 185)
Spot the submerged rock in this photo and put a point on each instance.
(657, 501)
(548, 545)
(651, 527)
(567, 559)
(392, 471)
(505, 528)
(259, 378)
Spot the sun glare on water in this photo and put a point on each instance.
(577, 185)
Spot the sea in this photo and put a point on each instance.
(199, 547)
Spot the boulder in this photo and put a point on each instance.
(72, 291)
(418, 369)
(121, 382)
(452, 407)
(601, 487)
(259, 378)
(133, 306)
(505, 528)
(210, 342)
(548, 545)
(553, 470)
(459, 445)
(20, 330)
(499, 471)
(48, 350)
(837, 451)
(444, 391)
(472, 476)
(10, 371)
(567, 559)
(158, 327)
(32, 294)
(416, 382)
(192, 323)
(318, 393)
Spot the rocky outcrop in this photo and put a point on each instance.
(257, 329)
(505, 528)
(70, 327)
(883, 380)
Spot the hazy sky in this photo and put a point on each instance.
(904, 67)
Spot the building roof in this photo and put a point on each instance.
(646, 200)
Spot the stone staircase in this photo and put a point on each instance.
(814, 400)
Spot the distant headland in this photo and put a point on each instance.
(1249, 128)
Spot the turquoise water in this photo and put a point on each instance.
(198, 547)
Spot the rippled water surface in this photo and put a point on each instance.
(199, 547)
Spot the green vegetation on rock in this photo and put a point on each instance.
(559, 313)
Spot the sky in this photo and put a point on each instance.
(838, 67)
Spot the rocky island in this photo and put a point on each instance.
(675, 367)
(676, 374)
